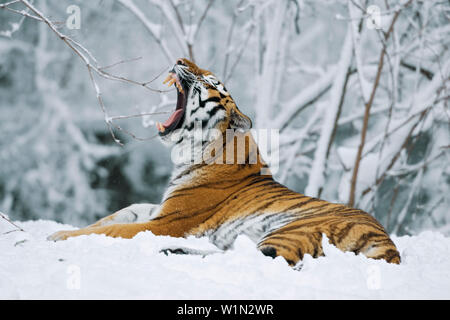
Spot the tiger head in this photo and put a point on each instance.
(202, 101)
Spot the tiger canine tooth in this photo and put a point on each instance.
(160, 127)
(171, 82)
(168, 78)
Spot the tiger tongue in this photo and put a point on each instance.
(173, 118)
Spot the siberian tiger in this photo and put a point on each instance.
(222, 199)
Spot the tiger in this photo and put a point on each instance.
(224, 199)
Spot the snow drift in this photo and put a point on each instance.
(100, 267)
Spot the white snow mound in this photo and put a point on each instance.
(100, 267)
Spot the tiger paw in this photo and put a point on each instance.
(60, 235)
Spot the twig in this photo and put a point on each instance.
(408, 169)
(402, 215)
(87, 57)
(138, 115)
(427, 73)
(240, 52)
(9, 221)
(356, 34)
(338, 115)
(22, 13)
(2, 5)
(369, 103)
(391, 206)
(120, 62)
(102, 106)
(82, 54)
(132, 134)
(156, 77)
(379, 139)
(304, 98)
(298, 143)
(151, 28)
(203, 16)
(168, 9)
(229, 37)
(381, 178)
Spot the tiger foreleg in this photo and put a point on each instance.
(134, 214)
(126, 231)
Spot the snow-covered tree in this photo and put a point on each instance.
(358, 89)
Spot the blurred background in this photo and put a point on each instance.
(327, 74)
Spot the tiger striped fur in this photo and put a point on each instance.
(221, 201)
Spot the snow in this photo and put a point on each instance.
(100, 267)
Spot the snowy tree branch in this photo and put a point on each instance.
(91, 64)
(368, 105)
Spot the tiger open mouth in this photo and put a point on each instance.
(175, 120)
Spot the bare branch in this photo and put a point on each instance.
(229, 37)
(3, 216)
(202, 18)
(394, 159)
(138, 115)
(151, 28)
(23, 13)
(240, 51)
(120, 62)
(369, 103)
(87, 57)
(427, 73)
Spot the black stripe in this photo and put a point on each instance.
(315, 252)
(213, 111)
(212, 185)
(201, 103)
(177, 195)
(363, 240)
(300, 253)
(301, 204)
(230, 197)
(189, 170)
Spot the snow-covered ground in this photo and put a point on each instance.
(100, 267)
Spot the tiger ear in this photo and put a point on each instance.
(238, 120)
